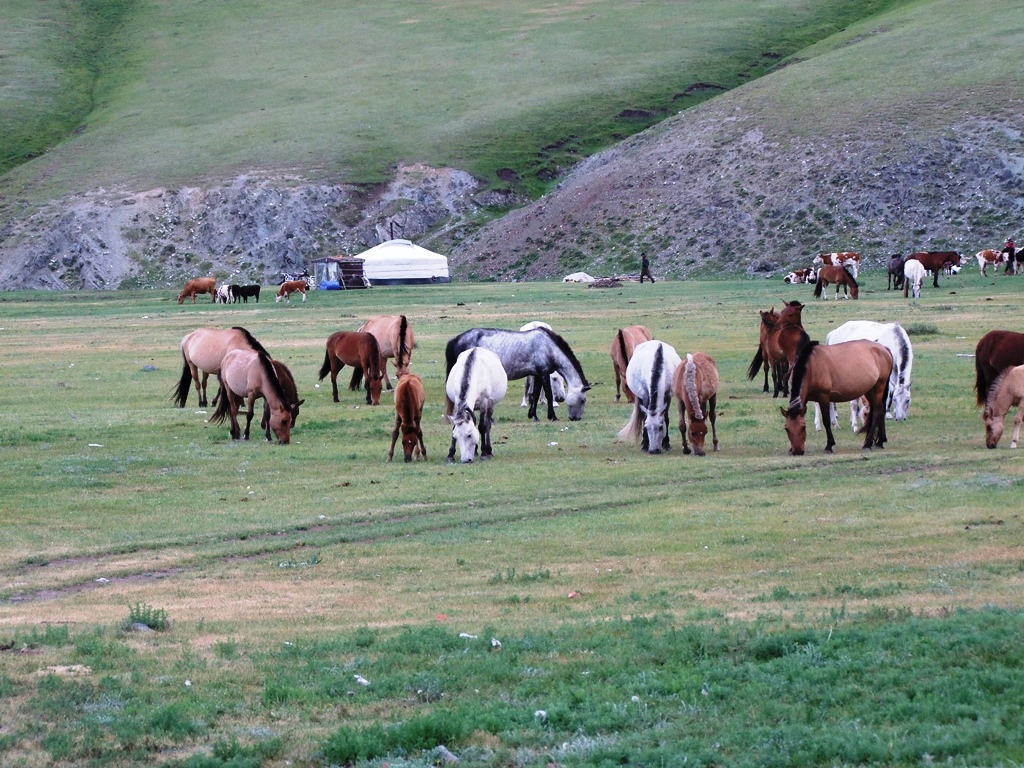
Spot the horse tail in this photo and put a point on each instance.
(326, 367)
(803, 354)
(403, 351)
(755, 364)
(251, 340)
(184, 383)
(373, 363)
(357, 377)
(223, 404)
(690, 383)
(622, 346)
(451, 354)
(818, 287)
(633, 430)
(981, 355)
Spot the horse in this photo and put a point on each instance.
(895, 339)
(539, 352)
(360, 350)
(935, 261)
(476, 382)
(223, 294)
(202, 352)
(244, 292)
(996, 351)
(557, 380)
(623, 344)
(838, 373)
(781, 333)
(914, 274)
(291, 396)
(409, 400)
(250, 374)
(649, 375)
(839, 259)
(800, 276)
(695, 385)
(289, 287)
(198, 285)
(841, 276)
(1006, 392)
(395, 339)
(895, 268)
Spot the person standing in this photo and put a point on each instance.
(1010, 252)
(645, 268)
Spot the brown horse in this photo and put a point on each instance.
(291, 394)
(202, 351)
(840, 276)
(409, 399)
(248, 375)
(359, 350)
(936, 261)
(395, 339)
(838, 373)
(288, 288)
(623, 344)
(996, 351)
(695, 384)
(198, 285)
(781, 334)
(1006, 392)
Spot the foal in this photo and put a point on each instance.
(409, 399)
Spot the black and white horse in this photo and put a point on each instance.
(649, 376)
(538, 352)
(477, 382)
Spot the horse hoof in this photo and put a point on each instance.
(828, 450)
(686, 451)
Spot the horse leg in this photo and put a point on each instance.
(534, 400)
(545, 382)
(422, 447)
(618, 383)
(236, 433)
(336, 366)
(451, 451)
(830, 440)
(250, 411)
(486, 417)
(384, 370)
(1016, 424)
(709, 409)
(394, 436)
(817, 418)
(666, 444)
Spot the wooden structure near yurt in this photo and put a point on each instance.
(333, 273)
(400, 262)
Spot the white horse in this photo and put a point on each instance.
(477, 382)
(914, 274)
(895, 339)
(649, 376)
(557, 380)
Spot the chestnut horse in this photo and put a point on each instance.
(288, 288)
(935, 262)
(623, 344)
(359, 350)
(202, 351)
(395, 339)
(695, 384)
(996, 351)
(781, 333)
(247, 374)
(198, 285)
(409, 399)
(824, 374)
(1006, 392)
(841, 276)
(291, 394)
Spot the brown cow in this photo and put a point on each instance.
(198, 285)
(936, 261)
(989, 256)
(849, 259)
(289, 287)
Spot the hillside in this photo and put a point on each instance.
(899, 132)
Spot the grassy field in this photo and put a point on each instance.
(286, 570)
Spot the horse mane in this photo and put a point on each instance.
(850, 276)
(563, 345)
(271, 374)
(803, 354)
(993, 388)
(251, 340)
(904, 347)
(690, 382)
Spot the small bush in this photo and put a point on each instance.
(921, 329)
(154, 618)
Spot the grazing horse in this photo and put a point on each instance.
(244, 292)
(849, 259)
(539, 352)
(935, 262)
(395, 339)
(623, 344)
(409, 400)
(801, 276)
(992, 256)
(557, 380)
(841, 276)
(695, 384)
(359, 350)
(895, 339)
(291, 396)
(649, 375)
(838, 373)
(249, 375)
(202, 352)
(198, 285)
(289, 287)
(914, 274)
(476, 382)
(895, 268)
(781, 334)
(996, 351)
(1006, 392)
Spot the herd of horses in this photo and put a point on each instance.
(865, 363)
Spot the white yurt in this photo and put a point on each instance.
(400, 262)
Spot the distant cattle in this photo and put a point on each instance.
(936, 261)
(288, 288)
(800, 276)
(849, 259)
(243, 292)
(198, 285)
(223, 294)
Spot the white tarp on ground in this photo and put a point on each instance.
(578, 277)
(400, 261)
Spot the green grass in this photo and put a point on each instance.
(146, 94)
(833, 607)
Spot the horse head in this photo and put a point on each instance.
(993, 426)
(655, 429)
(796, 428)
(575, 399)
(698, 431)
(281, 422)
(901, 402)
(465, 434)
